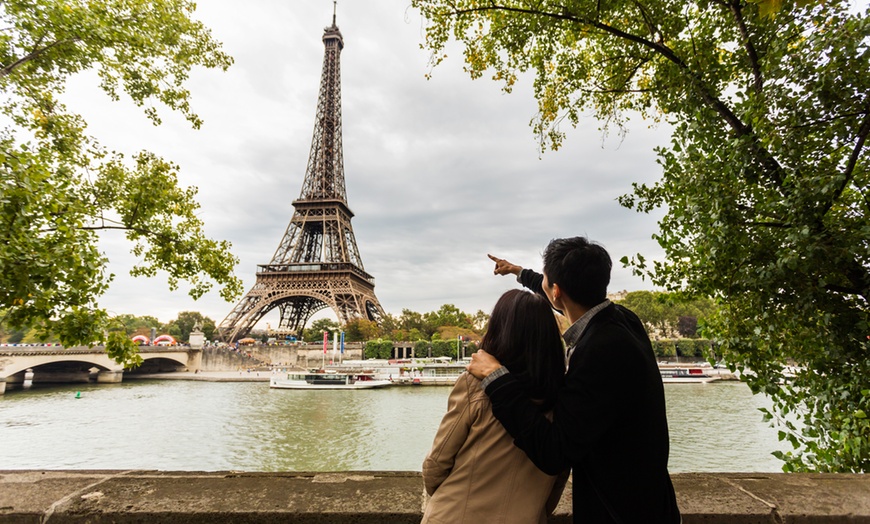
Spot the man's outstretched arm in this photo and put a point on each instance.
(528, 278)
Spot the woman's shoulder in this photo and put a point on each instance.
(467, 382)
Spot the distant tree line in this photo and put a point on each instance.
(668, 315)
(127, 324)
(670, 321)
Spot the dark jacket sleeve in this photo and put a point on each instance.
(532, 432)
(533, 281)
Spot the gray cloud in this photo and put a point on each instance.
(439, 172)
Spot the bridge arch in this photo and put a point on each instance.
(35, 362)
(159, 363)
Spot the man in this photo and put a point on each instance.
(609, 424)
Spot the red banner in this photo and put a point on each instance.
(325, 341)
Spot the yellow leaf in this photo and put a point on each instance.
(768, 8)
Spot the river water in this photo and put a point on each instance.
(215, 426)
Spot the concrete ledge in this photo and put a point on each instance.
(379, 497)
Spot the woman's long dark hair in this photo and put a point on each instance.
(524, 336)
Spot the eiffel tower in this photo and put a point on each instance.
(317, 264)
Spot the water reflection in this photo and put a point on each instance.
(717, 427)
(174, 425)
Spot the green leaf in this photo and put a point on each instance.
(57, 184)
(762, 192)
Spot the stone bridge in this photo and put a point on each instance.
(24, 365)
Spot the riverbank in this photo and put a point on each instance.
(242, 376)
(204, 376)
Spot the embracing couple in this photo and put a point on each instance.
(531, 409)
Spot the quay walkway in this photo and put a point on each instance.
(122, 497)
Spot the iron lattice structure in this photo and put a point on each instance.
(317, 264)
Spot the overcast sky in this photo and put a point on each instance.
(439, 172)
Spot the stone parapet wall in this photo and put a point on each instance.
(385, 497)
(302, 355)
(222, 359)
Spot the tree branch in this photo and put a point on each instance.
(843, 289)
(771, 166)
(737, 11)
(853, 158)
(781, 225)
(654, 31)
(146, 232)
(828, 120)
(627, 81)
(7, 70)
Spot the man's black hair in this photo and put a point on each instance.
(580, 267)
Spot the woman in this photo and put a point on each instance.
(474, 473)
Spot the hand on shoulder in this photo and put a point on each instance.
(482, 364)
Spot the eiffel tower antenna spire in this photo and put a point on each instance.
(334, 8)
(317, 264)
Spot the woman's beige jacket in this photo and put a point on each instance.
(475, 474)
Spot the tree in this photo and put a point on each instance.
(480, 320)
(132, 323)
(187, 320)
(453, 332)
(353, 332)
(381, 349)
(314, 333)
(449, 315)
(443, 348)
(360, 330)
(422, 348)
(663, 312)
(14, 336)
(411, 320)
(687, 326)
(387, 324)
(59, 188)
(764, 185)
(652, 309)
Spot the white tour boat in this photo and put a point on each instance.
(435, 371)
(686, 375)
(327, 380)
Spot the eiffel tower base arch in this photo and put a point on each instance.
(299, 291)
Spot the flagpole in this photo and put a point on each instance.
(341, 355)
(325, 343)
(334, 344)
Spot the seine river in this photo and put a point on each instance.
(213, 426)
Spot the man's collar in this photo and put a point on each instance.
(573, 333)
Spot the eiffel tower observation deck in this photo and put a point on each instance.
(317, 264)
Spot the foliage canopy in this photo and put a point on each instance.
(665, 314)
(59, 187)
(764, 185)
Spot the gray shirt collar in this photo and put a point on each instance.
(572, 334)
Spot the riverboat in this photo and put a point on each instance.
(685, 375)
(414, 372)
(327, 380)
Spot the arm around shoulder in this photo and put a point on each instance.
(532, 431)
